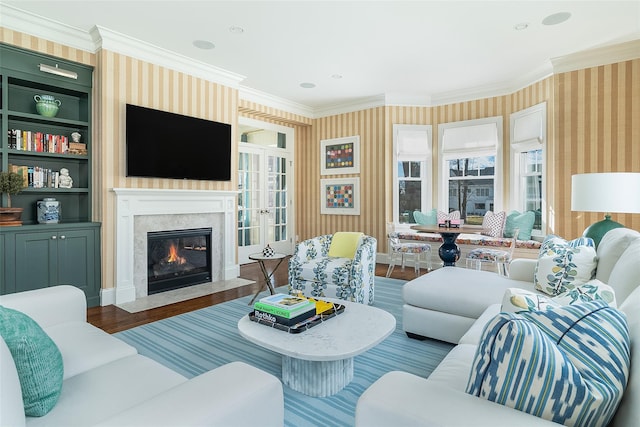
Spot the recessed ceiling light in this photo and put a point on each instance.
(521, 26)
(556, 18)
(307, 85)
(234, 29)
(203, 44)
(336, 76)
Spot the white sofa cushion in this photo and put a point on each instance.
(628, 413)
(624, 277)
(113, 387)
(85, 347)
(453, 371)
(611, 247)
(474, 290)
(11, 406)
(250, 397)
(569, 365)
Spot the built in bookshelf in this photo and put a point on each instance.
(45, 128)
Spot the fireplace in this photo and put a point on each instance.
(178, 258)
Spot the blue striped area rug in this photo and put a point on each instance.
(195, 342)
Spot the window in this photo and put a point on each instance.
(528, 135)
(411, 171)
(470, 155)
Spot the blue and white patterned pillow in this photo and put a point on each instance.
(569, 365)
(562, 265)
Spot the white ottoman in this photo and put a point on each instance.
(444, 304)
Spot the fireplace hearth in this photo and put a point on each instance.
(178, 258)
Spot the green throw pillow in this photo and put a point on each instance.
(428, 218)
(522, 221)
(37, 359)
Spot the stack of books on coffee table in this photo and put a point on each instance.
(284, 309)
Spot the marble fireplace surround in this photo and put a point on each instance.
(141, 210)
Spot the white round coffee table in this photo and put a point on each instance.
(319, 361)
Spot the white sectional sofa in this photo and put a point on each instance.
(106, 382)
(454, 305)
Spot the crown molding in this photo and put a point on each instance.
(102, 38)
(123, 44)
(268, 100)
(26, 22)
(406, 100)
(350, 107)
(490, 91)
(602, 55)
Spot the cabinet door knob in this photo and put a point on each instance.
(63, 237)
(54, 237)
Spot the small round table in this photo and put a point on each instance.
(449, 252)
(267, 276)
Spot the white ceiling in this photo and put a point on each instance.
(409, 52)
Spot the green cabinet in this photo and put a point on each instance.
(39, 145)
(55, 255)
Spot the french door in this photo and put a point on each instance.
(265, 199)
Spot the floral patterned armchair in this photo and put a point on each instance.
(314, 273)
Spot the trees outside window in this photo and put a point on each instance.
(412, 171)
(470, 156)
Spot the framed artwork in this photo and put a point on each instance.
(340, 155)
(340, 196)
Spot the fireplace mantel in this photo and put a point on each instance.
(132, 202)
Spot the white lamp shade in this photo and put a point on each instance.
(615, 192)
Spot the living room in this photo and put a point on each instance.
(603, 96)
(592, 98)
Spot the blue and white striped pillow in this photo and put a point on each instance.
(569, 365)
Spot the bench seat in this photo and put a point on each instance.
(467, 242)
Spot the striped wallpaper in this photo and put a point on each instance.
(36, 44)
(597, 121)
(590, 129)
(120, 80)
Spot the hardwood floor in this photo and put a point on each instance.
(113, 319)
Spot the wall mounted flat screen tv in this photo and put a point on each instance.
(168, 145)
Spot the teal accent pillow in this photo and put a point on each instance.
(523, 221)
(37, 359)
(428, 218)
(569, 365)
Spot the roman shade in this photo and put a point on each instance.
(471, 141)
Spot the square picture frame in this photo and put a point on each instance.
(340, 196)
(340, 155)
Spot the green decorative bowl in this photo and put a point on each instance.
(46, 105)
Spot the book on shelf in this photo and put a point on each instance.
(284, 305)
(39, 142)
(36, 176)
(274, 318)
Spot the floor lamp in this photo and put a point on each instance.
(615, 192)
